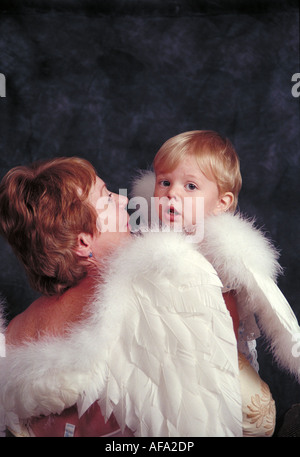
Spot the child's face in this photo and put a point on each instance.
(182, 188)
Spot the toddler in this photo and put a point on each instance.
(201, 166)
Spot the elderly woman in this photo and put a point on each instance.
(131, 336)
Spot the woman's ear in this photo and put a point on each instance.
(225, 202)
(84, 245)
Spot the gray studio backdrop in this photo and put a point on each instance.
(110, 81)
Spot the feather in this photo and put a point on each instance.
(154, 352)
(247, 262)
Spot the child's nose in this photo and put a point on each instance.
(173, 192)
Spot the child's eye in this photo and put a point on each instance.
(191, 186)
(165, 183)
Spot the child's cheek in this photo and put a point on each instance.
(188, 212)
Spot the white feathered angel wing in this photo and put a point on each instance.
(158, 351)
(246, 261)
(277, 321)
(173, 369)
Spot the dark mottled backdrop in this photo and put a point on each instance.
(112, 80)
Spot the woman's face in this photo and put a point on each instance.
(112, 221)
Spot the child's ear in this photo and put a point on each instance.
(84, 242)
(225, 202)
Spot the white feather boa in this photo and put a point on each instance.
(247, 262)
(158, 351)
(158, 326)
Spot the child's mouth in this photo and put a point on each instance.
(172, 213)
(172, 210)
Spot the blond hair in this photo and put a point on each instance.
(216, 157)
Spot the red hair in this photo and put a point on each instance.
(43, 209)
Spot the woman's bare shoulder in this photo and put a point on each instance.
(21, 328)
(50, 315)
